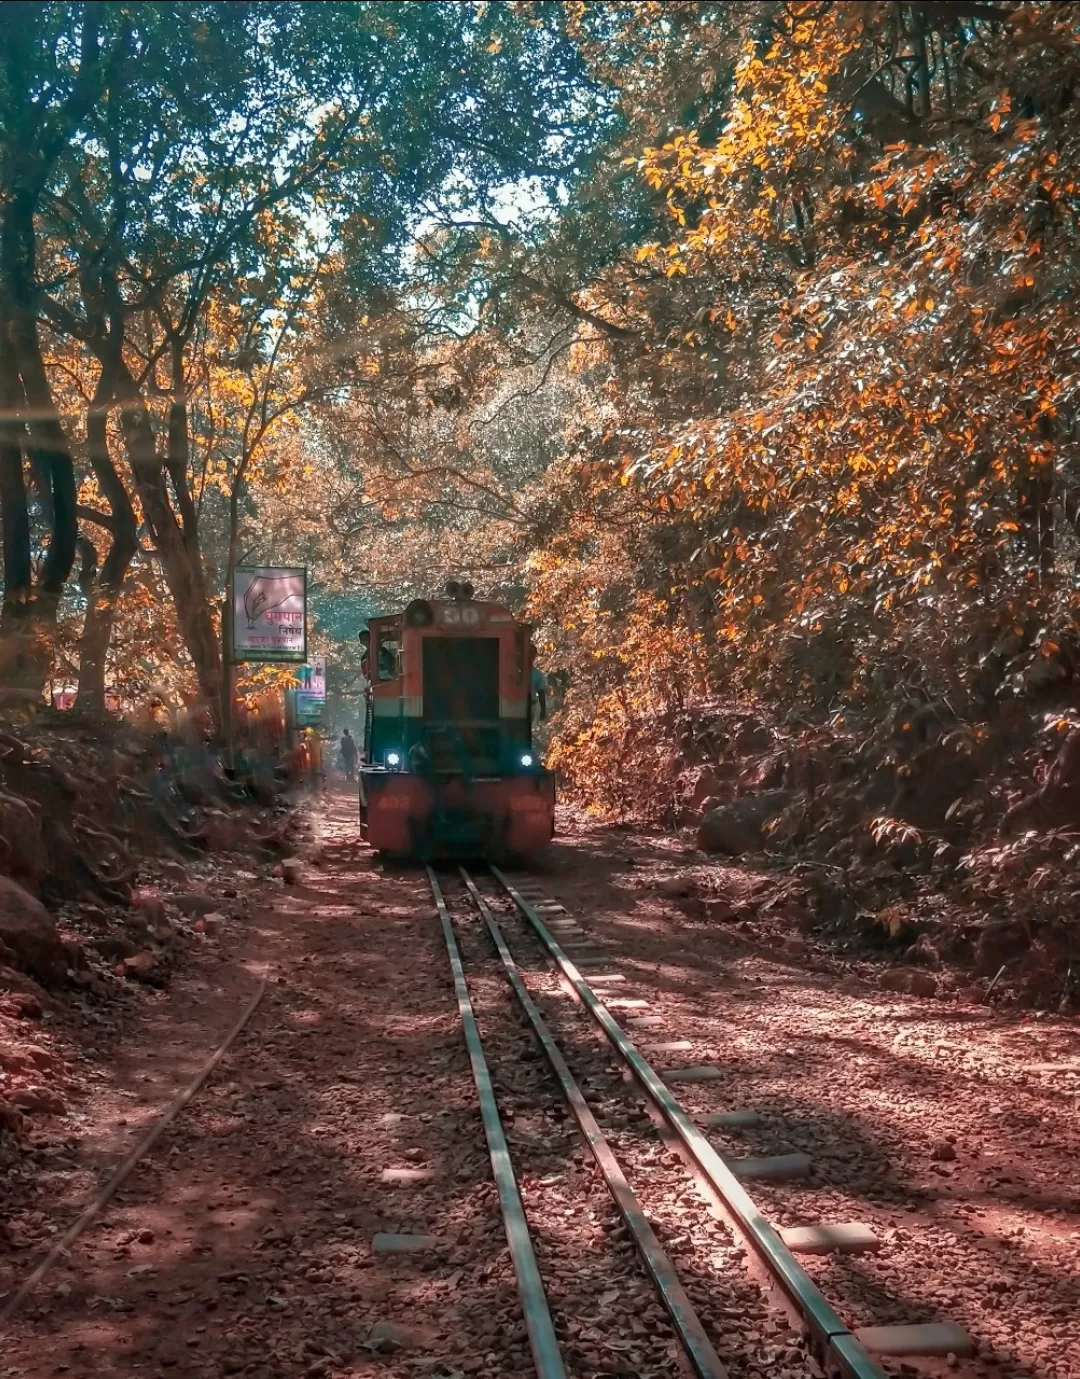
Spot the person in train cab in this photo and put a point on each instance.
(419, 758)
(387, 660)
(348, 754)
(539, 690)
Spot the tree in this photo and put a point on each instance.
(830, 381)
(219, 152)
(47, 89)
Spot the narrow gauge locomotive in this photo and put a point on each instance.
(448, 765)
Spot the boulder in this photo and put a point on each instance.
(11, 1119)
(701, 784)
(142, 967)
(27, 930)
(1000, 942)
(20, 827)
(720, 911)
(223, 833)
(909, 983)
(173, 872)
(38, 1101)
(21, 1000)
(114, 947)
(28, 1060)
(737, 827)
(149, 905)
(196, 903)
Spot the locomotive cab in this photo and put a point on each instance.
(449, 767)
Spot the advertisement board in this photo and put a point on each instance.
(311, 693)
(269, 621)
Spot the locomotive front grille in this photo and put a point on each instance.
(461, 679)
(472, 749)
(461, 704)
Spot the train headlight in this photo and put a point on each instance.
(393, 758)
(526, 758)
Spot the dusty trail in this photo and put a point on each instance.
(949, 1127)
(244, 1244)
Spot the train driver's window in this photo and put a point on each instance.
(389, 656)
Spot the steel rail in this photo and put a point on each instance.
(124, 1170)
(704, 1359)
(824, 1324)
(534, 1304)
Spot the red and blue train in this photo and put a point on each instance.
(449, 767)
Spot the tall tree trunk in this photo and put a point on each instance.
(28, 397)
(104, 596)
(18, 576)
(17, 641)
(179, 450)
(52, 453)
(33, 134)
(182, 567)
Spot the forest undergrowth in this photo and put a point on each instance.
(948, 847)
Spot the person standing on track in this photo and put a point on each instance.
(348, 754)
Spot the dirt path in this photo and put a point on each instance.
(245, 1242)
(950, 1128)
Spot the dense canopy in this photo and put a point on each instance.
(734, 344)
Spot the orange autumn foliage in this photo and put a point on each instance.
(847, 426)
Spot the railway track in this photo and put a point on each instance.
(501, 931)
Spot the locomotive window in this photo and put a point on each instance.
(461, 679)
(388, 656)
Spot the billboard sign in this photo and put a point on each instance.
(311, 694)
(269, 614)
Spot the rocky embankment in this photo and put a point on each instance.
(117, 851)
(945, 846)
